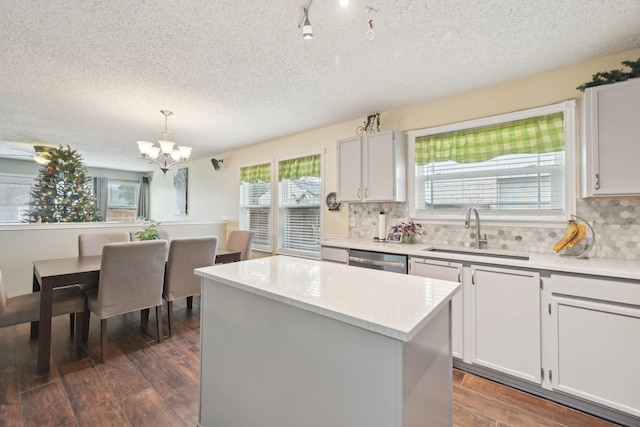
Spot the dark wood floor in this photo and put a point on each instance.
(145, 383)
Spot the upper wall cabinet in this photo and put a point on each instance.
(610, 152)
(373, 168)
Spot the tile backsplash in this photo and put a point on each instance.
(615, 222)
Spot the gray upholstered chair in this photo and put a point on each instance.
(91, 244)
(131, 279)
(185, 255)
(240, 240)
(26, 308)
(164, 235)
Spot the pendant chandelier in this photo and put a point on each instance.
(165, 155)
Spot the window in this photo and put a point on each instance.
(14, 197)
(123, 200)
(255, 204)
(514, 167)
(299, 190)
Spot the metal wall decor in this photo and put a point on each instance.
(372, 124)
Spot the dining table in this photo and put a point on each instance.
(59, 272)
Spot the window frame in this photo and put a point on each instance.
(18, 179)
(256, 246)
(113, 208)
(279, 239)
(568, 108)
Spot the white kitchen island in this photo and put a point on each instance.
(295, 342)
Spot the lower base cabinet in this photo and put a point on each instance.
(505, 319)
(445, 270)
(596, 341)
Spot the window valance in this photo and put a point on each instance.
(256, 173)
(543, 134)
(299, 167)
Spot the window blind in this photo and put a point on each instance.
(255, 203)
(299, 188)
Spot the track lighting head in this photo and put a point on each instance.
(307, 31)
(216, 163)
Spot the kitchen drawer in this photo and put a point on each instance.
(328, 253)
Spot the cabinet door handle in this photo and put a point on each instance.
(459, 275)
(359, 193)
(596, 182)
(366, 193)
(473, 277)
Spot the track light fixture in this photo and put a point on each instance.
(217, 163)
(307, 31)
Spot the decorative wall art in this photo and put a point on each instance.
(180, 184)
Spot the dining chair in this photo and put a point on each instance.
(240, 240)
(185, 255)
(91, 244)
(131, 279)
(26, 308)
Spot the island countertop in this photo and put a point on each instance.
(390, 304)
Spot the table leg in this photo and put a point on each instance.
(44, 339)
(35, 288)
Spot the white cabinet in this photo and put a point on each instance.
(329, 253)
(505, 321)
(373, 168)
(596, 340)
(611, 140)
(445, 270)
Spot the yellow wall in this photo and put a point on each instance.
(214, 194)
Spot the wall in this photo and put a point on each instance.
(219, 197)
(31, 168)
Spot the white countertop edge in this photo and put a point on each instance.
(401, 335)
(605, 267)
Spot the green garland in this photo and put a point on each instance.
(613, 76)
(62, 192)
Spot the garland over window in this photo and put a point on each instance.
(543, 134)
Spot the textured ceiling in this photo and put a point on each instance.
(94, 74)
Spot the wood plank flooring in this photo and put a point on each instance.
(145, 383)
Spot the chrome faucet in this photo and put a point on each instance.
(467, 220)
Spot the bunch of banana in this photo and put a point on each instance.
(575, 233)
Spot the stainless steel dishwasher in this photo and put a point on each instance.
(378, 260)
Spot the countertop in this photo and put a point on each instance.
(369, 299)
(537, 261)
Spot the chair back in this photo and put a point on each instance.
(131, 276)
(91, 244)
(185, 255)
(3, 296)
(240, 240)
(164, 235)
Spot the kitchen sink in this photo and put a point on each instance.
(479, 252)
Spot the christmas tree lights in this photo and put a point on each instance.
(62, 192)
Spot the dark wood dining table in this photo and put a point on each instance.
(53, 273)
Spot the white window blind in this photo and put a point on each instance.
(255, 204)
(299, 189)
(14, 197)
(508, 184)
(508, 169)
